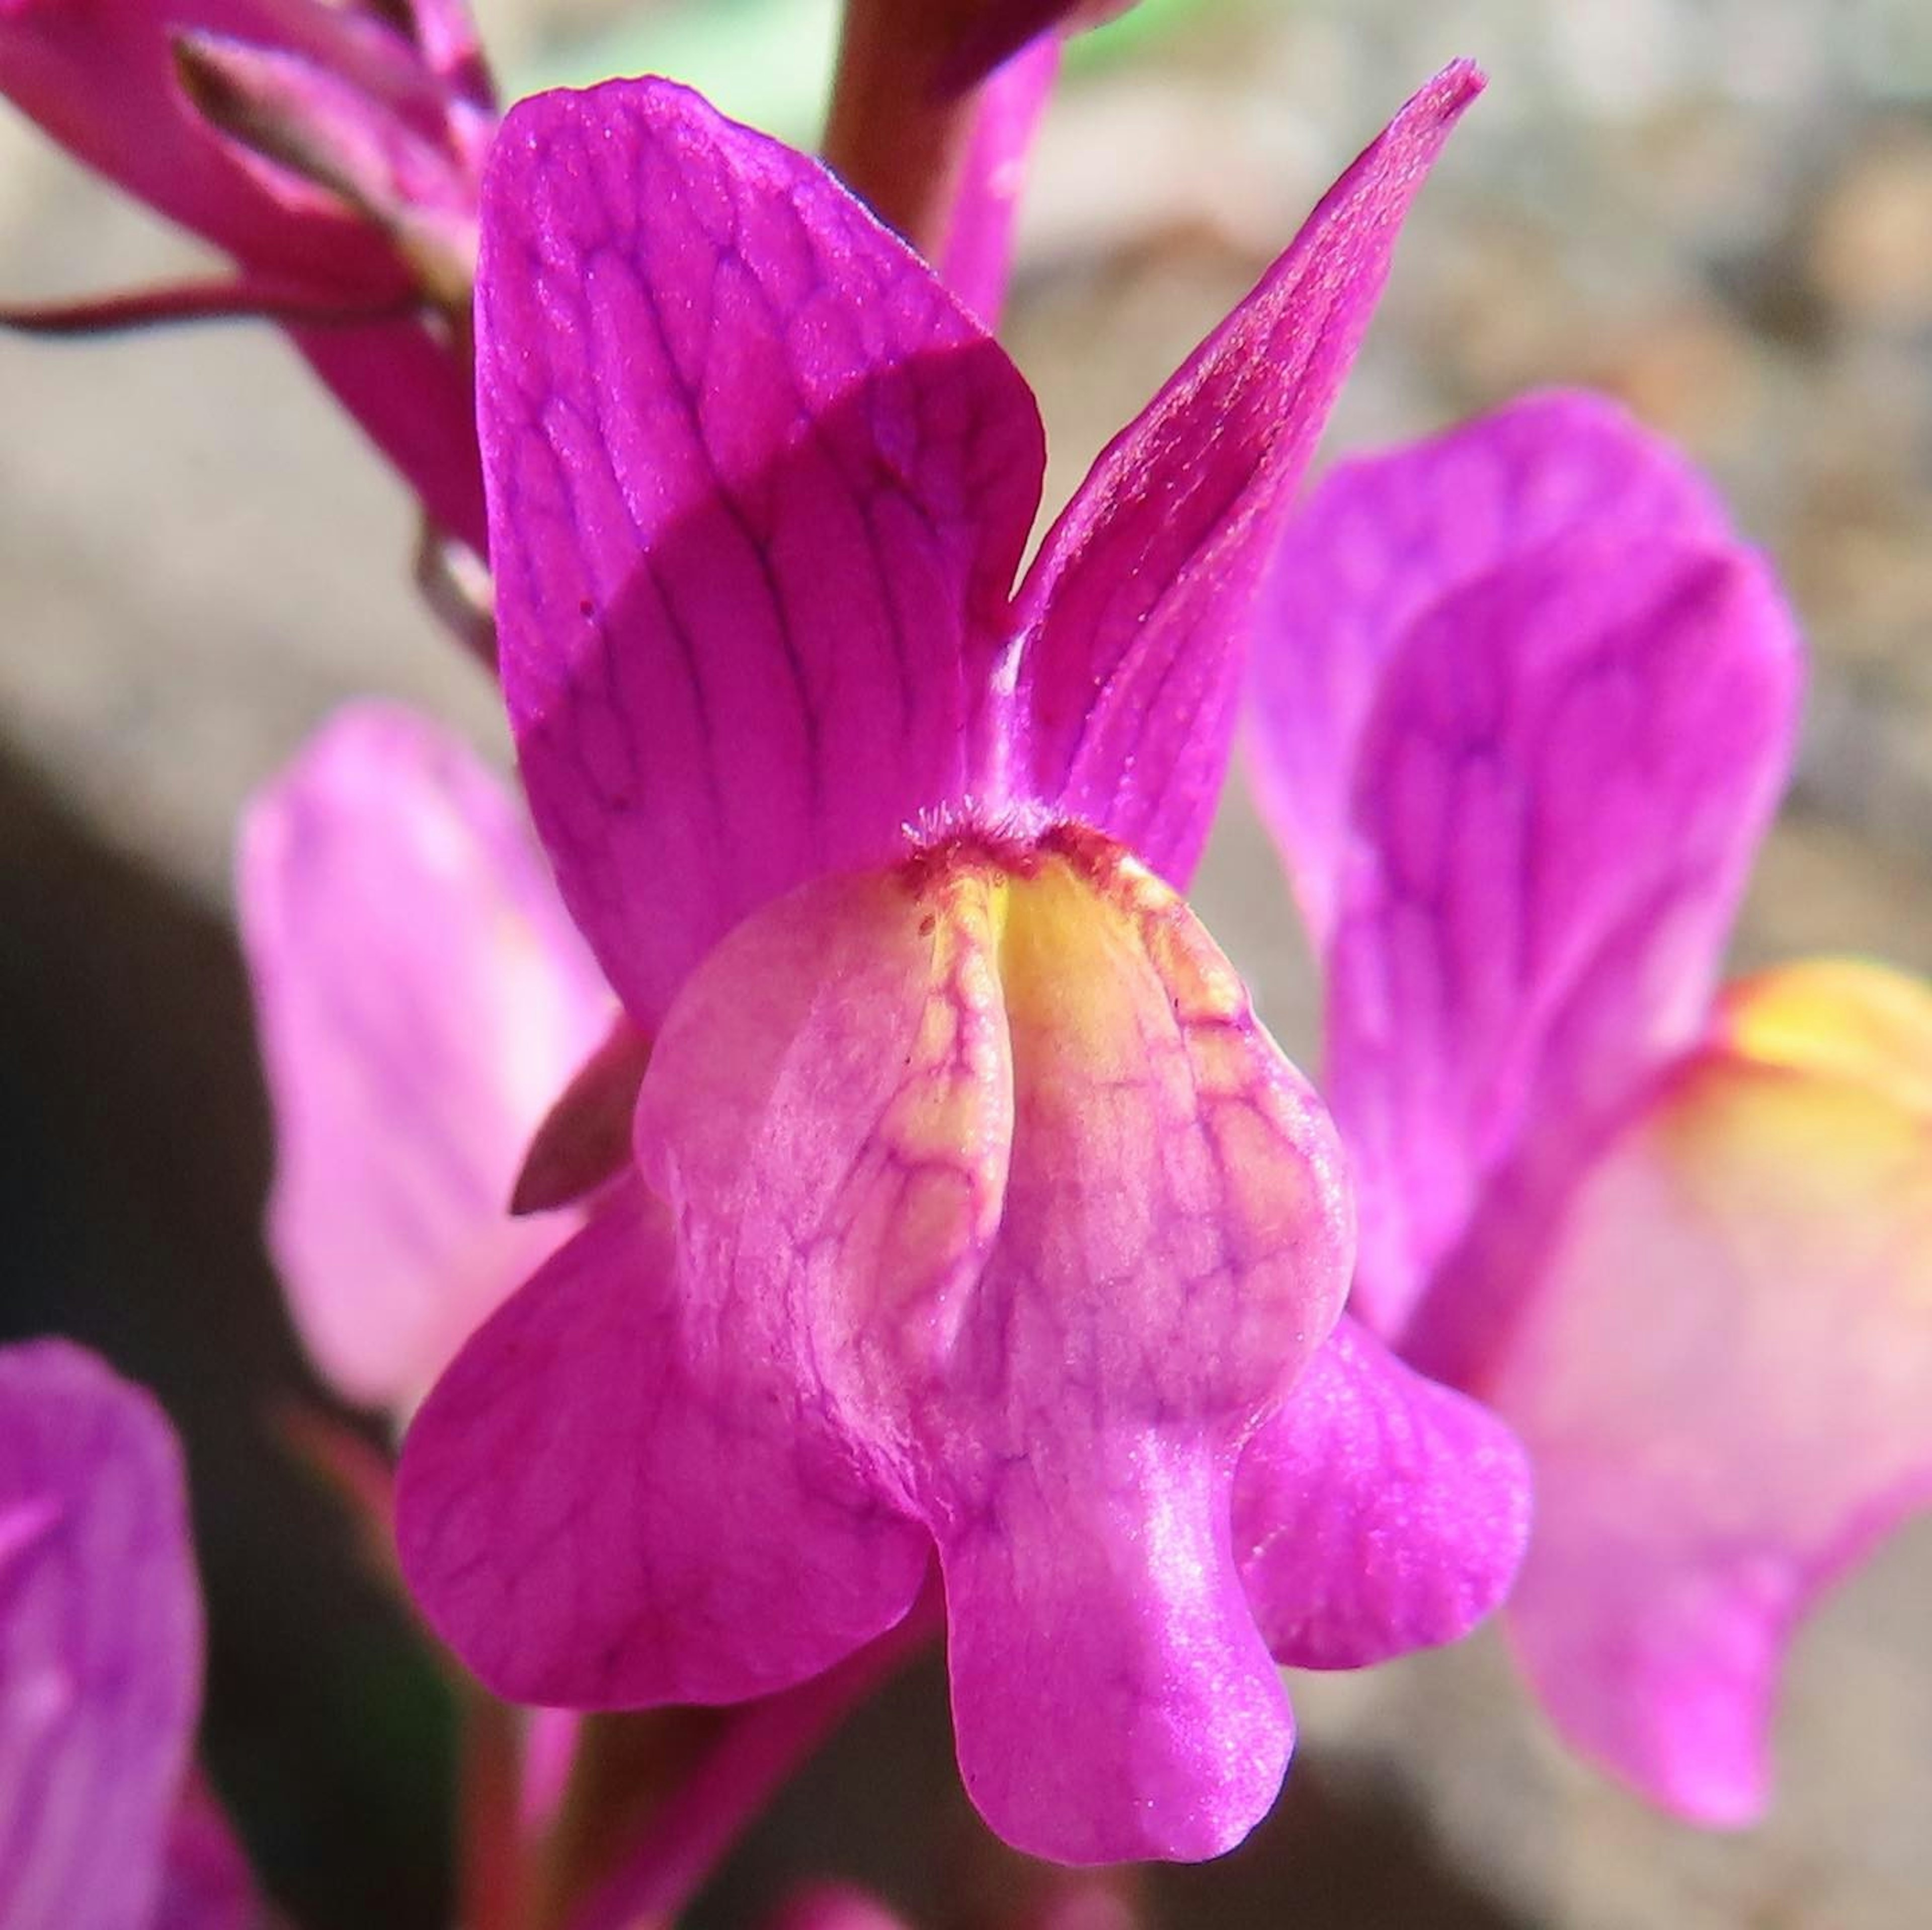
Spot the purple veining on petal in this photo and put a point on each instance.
(594, 1511)
(96, 1705)
(1384, 537)
(758, 486)
(1376, 1512)
(1568, 767)
(1134, 617)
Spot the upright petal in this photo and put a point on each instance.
(757, 488)
(1135, 613)
(1384, 537)
(422, 998)
(590, 1517)
(1376, 1513)
(1726, 1378)
(97, 1703)
(1568, 766)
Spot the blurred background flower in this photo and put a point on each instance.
(1720, 211)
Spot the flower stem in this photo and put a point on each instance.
(896, 136)
(756, 1752)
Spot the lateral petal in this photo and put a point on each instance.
(1383, 537)
(1726, 1379)
(1134, 616)
(97, 1705)
(1376, 1511)
(592, 1517)
(1569, 765)
(422, 997)
(758, 487)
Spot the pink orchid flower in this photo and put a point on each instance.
(1523, 713)
(970, 1213)
(343, 186)
(103, 1823)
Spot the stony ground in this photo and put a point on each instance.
(1722, 212)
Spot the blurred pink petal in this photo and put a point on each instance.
(1385, 537)
(1559, 792)
(1726, 1378)
(422, 997)
(97, 1703)
(758, 487)
(1376, 1513)
(1134, 616)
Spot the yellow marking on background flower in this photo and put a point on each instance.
(1843, 1017)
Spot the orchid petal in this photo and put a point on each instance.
(978, 257)
(1570, 763)
(589, 1521)
(1726, 1378)
(757, 488)
(96, 1704)
(983, 1165)
(1134, 614)
(1382, 539)
(422, 997)
(1112, 1698)
(1376, 1512)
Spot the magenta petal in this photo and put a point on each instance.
(1569, 765)
(758, 487)
(1382, 539)
(1376, 1513)
(422, 997)
(1135, 614)
(1112, 1698)
(96, 1703)
(979, 251)
(589, 1518)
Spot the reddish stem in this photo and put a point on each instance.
(763, 1743)
(895, 133)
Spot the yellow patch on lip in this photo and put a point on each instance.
(1145, 1098)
